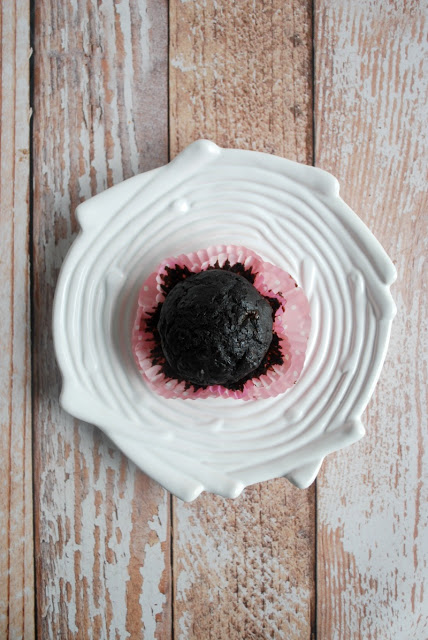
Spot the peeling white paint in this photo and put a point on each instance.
(146, 26)
(178, 62)
(87, 498)
(374, 501)
(385, 85)
(151, 599)
(128, 79)
(383, 524)
(264, 594)
(16, 506)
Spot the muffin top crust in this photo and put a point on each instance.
(215, 328)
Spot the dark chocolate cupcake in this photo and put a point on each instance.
(220, 322)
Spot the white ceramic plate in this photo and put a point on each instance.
(291, 215)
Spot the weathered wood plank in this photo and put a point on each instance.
(16, 500)
(102, 527)
(371, 115)
(240, 74)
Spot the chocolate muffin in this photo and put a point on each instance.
(215, 328)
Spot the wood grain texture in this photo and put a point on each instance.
(102, 527)
(240, 75)
(16, 501)
(371, 132)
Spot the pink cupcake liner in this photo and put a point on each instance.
(292, 325)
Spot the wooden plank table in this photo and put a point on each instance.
(90, 547)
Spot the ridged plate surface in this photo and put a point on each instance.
(292, 216)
